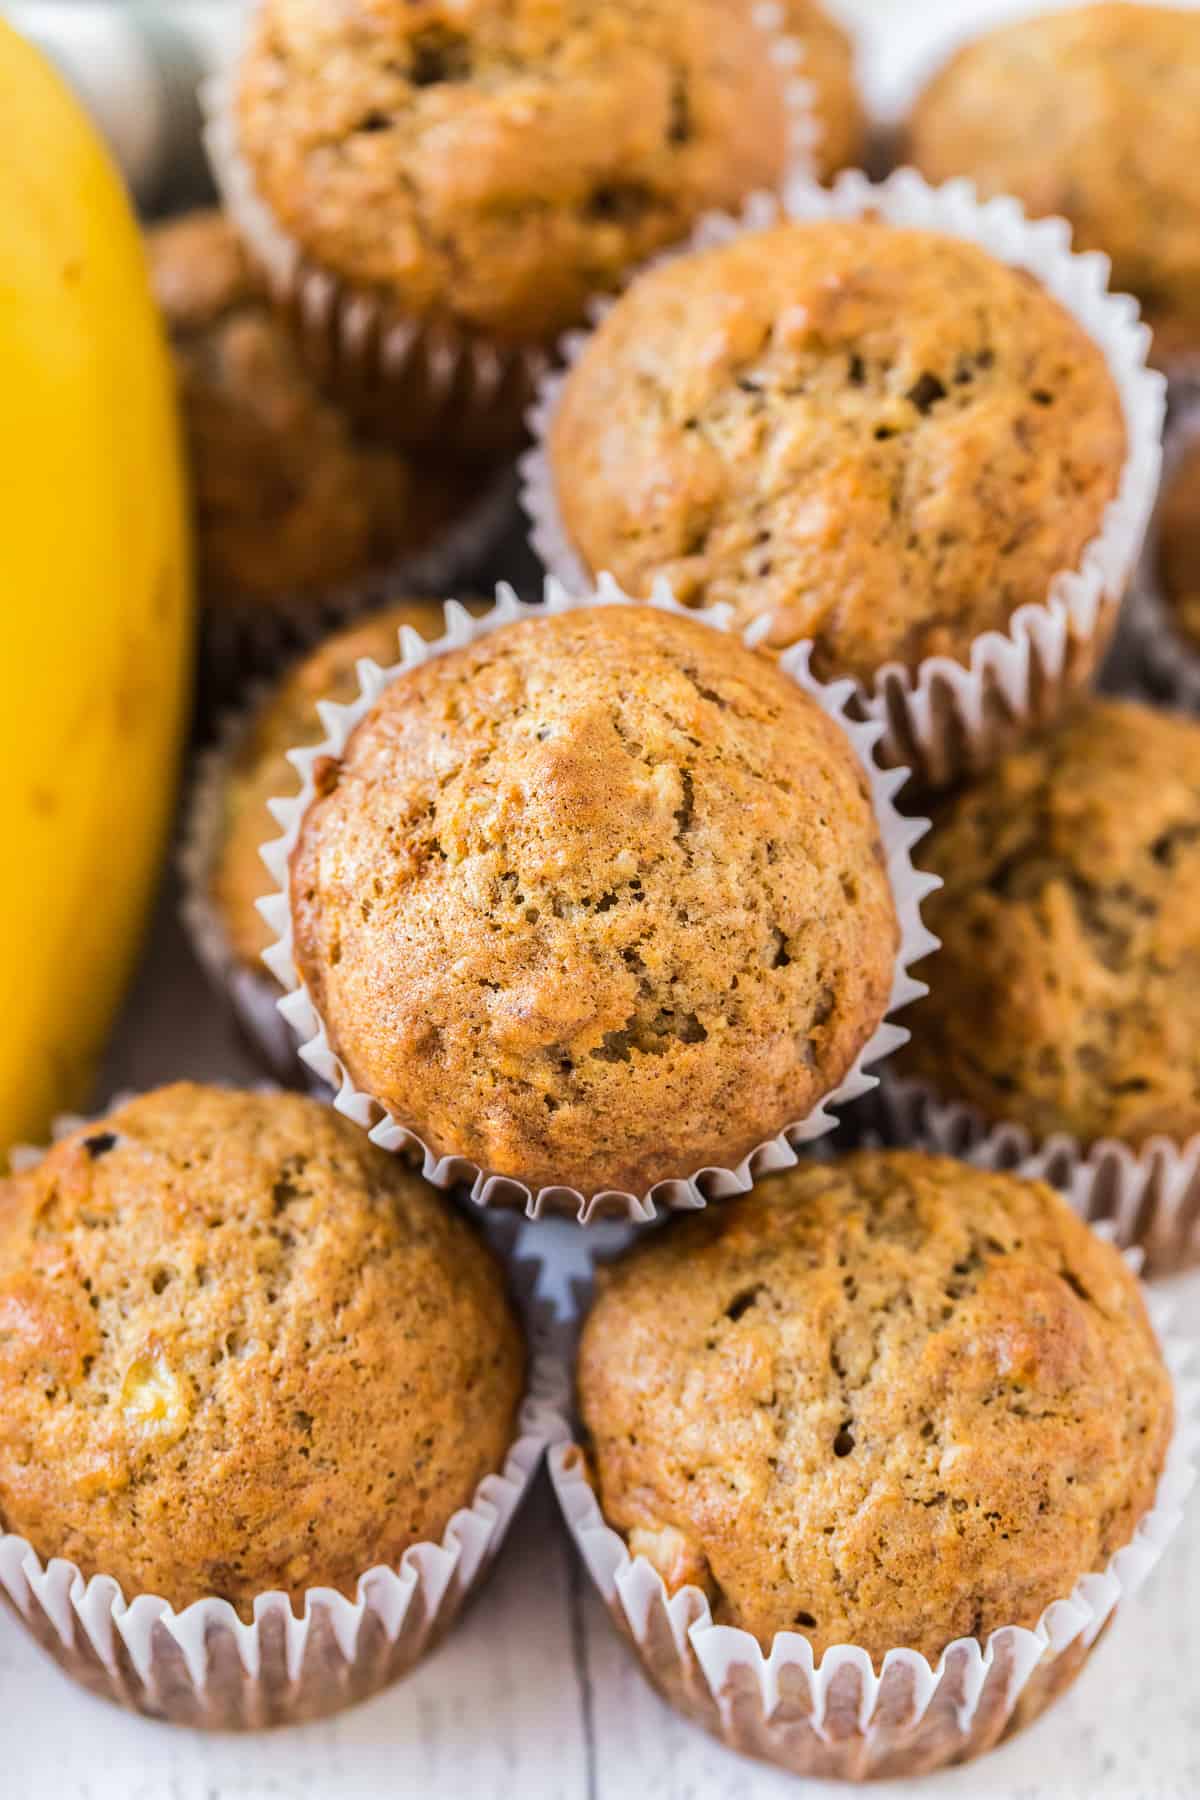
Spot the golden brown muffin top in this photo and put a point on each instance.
(496, 162)
(1092, 113)
(1178, 531)
(1066, 993)
(828, 67)
(288, 720)
(288, 502)
(241, 1349)
(596, 901)
(889, 1400)
(884, 437)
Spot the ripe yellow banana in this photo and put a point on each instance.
(95, 606)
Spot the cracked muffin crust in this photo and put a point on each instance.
(882, 437)
(829, 67)
(260, 771)
(242, 1350)
(1178, 530)
(494, 163)
(1092, 113)
(596, 901)
(288, 501)
(889, 1400)
(1066, 994)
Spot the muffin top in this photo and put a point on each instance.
(1092, 113)
(889, 1400)
(884, 438)
(1179, 545)
(260, 771)
(596, 901)
(828, 67)
(242, 1350)
(288, 502)
(1066, 993)
(495, 162)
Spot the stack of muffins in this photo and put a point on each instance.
(602, 903)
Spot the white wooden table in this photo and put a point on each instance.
(534, 1694)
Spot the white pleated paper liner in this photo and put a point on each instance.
(441, 384)
(244, 639)
(692, 1187)
(204, 1666)
(251, 994)
(1150, 1197)
(1169, 664)
(839, 1718)
(945, 718)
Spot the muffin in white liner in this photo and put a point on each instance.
(947, 718)
(1170, 664)
(235, 970)
(1149, 1197)
(251, 993)
(204, 1666)
(692, 1188)
(443, 383)
(841, 1718)
(239, 640)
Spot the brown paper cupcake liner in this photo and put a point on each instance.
(251, 994)
(243, 639)
(205, 1666)
(840, 1718)
(1169, 664)
(431, 381)
(691, 1188)
(945, 718)
(1150, 1197)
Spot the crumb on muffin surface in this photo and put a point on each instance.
(595, 901)
(884, 438)
(889, 1400)
(242, 1350)
(1065, 996)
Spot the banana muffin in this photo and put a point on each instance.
(828, 67)
(597, 901)
(491, 164)
(1066, 994)
(889, 1400)
(1178, 530)
(289, 503)
(883, 438)
(1092, 113)
(260, 771)
(242, 1350)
